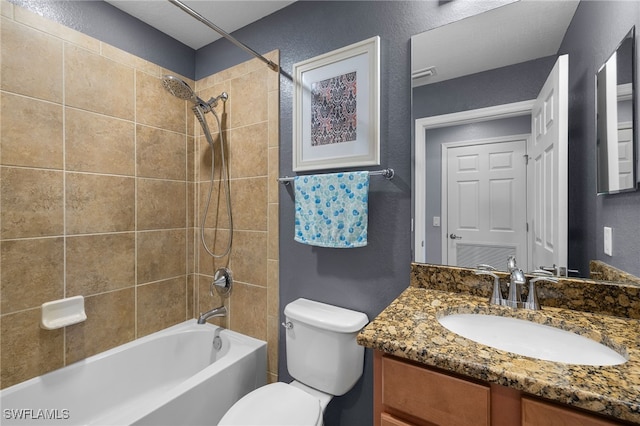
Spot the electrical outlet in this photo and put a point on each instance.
(608, 241)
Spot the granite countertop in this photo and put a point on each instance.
(408, 328)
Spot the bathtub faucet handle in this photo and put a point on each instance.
(222, 281)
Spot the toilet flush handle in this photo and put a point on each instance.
(288, 325)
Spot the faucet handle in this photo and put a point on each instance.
(532, 299)
(496, 295)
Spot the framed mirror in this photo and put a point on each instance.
(616, 130)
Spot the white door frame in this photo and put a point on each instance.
(444, 209)
(421, 125)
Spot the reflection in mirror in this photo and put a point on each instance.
(615, 130)
(478, 82)
(527, 50)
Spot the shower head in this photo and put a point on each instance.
(179, 88)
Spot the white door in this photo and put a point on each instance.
(625, 158)
(486, 203)
(547, 170)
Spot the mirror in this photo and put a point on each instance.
(454, 70)
(615, 128)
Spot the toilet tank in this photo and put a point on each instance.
(321, 345)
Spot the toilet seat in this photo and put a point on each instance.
(277, 404)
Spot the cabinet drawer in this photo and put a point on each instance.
(387, 419)
(538, 413)
(432, 396)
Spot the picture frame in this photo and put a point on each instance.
(336, 106)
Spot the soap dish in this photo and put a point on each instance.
(63, 312)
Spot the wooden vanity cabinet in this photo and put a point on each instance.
(410, 394)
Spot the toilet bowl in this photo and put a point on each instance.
(323, 358)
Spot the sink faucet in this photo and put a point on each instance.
(516, 281)
(220, 311)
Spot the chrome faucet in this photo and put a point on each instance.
(516, 281)
(220, 311)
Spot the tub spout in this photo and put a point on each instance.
(220, 311)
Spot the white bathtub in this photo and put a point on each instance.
(172, 377)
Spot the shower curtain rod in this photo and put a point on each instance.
(223, 33)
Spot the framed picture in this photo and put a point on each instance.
(336, 108)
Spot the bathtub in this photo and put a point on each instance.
(176, 376)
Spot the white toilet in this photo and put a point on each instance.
(323, 358)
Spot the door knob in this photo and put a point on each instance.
(454, 237)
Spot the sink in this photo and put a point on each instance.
(531, 339)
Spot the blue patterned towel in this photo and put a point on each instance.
(332, 209)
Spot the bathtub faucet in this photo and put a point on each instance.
(220, 311)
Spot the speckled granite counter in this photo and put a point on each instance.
(408, 328)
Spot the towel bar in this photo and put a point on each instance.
(387, 173)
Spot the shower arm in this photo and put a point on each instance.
(223, 33)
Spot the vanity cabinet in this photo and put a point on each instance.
(410, 394)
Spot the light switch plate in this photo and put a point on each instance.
(608, 241)
(436, 221)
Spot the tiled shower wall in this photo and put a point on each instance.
(250, 119)
(97, 198)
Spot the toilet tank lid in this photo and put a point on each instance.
(325, 316)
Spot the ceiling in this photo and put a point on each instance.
(510, 34)
(228, 15)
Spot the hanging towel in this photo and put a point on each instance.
(332, 209)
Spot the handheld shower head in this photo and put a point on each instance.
(179, 88)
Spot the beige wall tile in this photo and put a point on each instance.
(191, 296)
(162, 204)
(100, 263)
(98, 203)
(31, 202)
(126, 58)
(217, 241)
(158, 108)
(249, 257)
(161, 255)
(248, 151)
(249, 203)
(32, 273)
(26, 350)
(203, 157)
(274, 118)
(95, 83)
(6, 9)
(161, 305)
(160, 153)
(110, 322)
(273, 238)
(51, 27)
(98, 143)
(38, 73)
(272, 343)
(249, 103)
(31, 132)
(273, 287)
(217, 215)
(248, 310)
(274, 174)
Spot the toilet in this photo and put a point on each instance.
(322, 357)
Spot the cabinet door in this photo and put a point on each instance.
(538, 413)
(432, 396)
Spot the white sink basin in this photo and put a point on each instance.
(531, 339)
